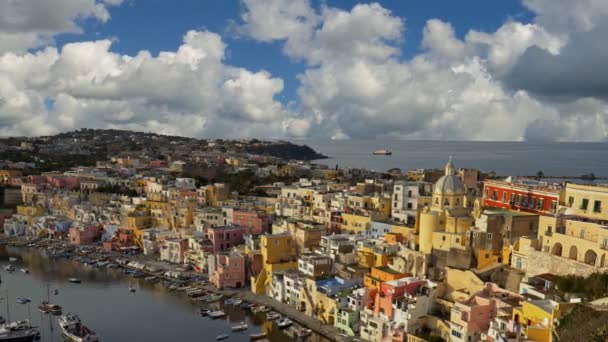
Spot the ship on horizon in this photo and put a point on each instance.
(382, 152)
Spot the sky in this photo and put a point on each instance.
(512, 70)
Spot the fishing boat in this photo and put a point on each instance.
(20, 331)
(240, 327)
(382, 152)
(222, 337)
(74, 280)
(304, 333)
(217, 314)
(9, 268)
(72, 329)
(257, 337)
(271, 316)
(284, 322)
(25, 270)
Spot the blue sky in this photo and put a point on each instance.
(158, 25)
(509, 70)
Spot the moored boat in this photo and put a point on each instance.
(271, 316)
(304, 333)
(222, 337)
(25, 270)
(284, 322)
(9, 268)
(217, 314)
(12, 259)
(46, 307)
(74, 280)
(237, 302)
(132, 289)
(23, 300)
(20, 331)
(240, 327)
(72, 329)
(382, 152)
(257, 337)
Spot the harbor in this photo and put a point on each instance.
(103, 291)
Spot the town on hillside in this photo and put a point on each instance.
(452, 254)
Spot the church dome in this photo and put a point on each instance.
(449, 184)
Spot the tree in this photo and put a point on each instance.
(540, 175)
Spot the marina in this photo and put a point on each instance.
(49, 286)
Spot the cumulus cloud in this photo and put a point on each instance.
(480, 87)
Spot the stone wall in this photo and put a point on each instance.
(540, 262)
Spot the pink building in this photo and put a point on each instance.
(256, 222)
(64, 182)
(86, 236)
(223, 238)
(391, 290)
(229, 270)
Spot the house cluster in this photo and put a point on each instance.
(423, 255)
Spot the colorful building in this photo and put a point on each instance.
(229, 270)
(525, 195)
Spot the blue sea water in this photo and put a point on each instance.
(505, 158)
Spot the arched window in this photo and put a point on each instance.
(446, 202)
(436, 200)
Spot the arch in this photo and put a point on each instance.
(556, 249)
(590, 257)
(573, 253)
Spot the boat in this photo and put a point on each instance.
(264, 309)
(204, 312)
(222, 337)
(12, 259)
(382, 152)
(9, 268)
(56, 292)
(248, 306)
(74, 280)
(217, 314)
(46, 307)
(2, 320)
(72, 329)
(284, 322)
(271, 316)
(257, 337)
(240, 327)
(131, 289)
(25, 270)
(229, 301)
(20, 331)
(213, 298)
(23, 300)
(304, 333)
(237, 302)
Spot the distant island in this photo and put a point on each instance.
(88, 146)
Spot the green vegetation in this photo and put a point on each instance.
(600, 335)
(593, 287)
(244, 181)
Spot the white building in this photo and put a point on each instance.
(407, 199)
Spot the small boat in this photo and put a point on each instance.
(382, 152)
(74, 280)
(23, 300)
(56, 292)
(47, 307)
(229, 301)
(132, 289)
(217, 314)
(257, 337)
(264, 309)
(222, 337)
(9, 268)
(25, 270)
(12, 259)
(213, 298)
(284, 322)
(237, 302)
(152, 279)
(204, 312)
(240, 327)
(73, 330)
(304, 333)
(271, 316)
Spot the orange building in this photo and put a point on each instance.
(380, 275)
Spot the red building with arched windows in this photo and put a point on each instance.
(523, 195)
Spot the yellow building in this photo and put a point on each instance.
(587, 200)
(379, 204)
(30, 211)
(575, 238)
(279, 253)
(359, 221)
(538, 317)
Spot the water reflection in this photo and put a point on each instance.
(106, 305)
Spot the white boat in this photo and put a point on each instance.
(382, 152)
(12, 259)
(284, 322)
(222, 337)
(257, 337)
(73, 329)
(240, 327)
(304, 332)
(25, 270)
(20, 331)
(271, 316)
(237, 302)
(132, 289)
(9, 268)
(217, 314)
(22, 300)
(74, 280)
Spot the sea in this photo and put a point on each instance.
(505, 158)
(105, 304)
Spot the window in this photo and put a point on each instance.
(570, 201)
(597, 206)
(541, 203)
(395, 205)
(487, 191)
(582, 234)
(605, 242)
(436, 200)
(409, 193)
(396, 197)
(533, 202)
(456, 333)
(584, 204)
(495, 195)
(409, 206)
(553, 204)
(504, 196)
(490, 236)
